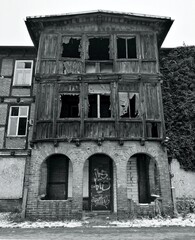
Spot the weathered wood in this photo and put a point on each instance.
(70, 67)
(130, 129)
(46, 98)
(49, 46)
(68, 129)
(99, 129)
(152, 101)
(127, 66)
(44, 130)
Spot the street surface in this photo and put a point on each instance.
(97, 233)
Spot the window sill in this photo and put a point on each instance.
(16, 136)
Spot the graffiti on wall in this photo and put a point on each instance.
(100, 196)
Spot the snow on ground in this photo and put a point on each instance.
(6, 221)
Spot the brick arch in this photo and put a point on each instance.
(146, 168)
(64, 165)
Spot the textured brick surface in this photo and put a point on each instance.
(5, 86)
(15, 142)
(78, 156)
(20, 92)
(3, 113)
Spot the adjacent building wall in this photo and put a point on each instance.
(183, 181)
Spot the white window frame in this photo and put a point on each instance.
(28, 83)
(18, 118)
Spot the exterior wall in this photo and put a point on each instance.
(11, 177)
(13, 150)
(183, 181)
(78, 156)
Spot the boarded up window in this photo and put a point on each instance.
(57, 187)
(69, 106)
(128, 105)
(71, 47)
(49, 47)
(152, 101)
(126, 48)
(99, 101)
(148, 46)
(45, 98)
(99, 49)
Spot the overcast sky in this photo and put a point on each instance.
(13, 13)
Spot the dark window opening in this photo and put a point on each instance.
(99, 106)
(143, 178)
(71, 48)
(22, 126)
(99, 49)
(57, 187)
(69, 106)
(152, 130)
(126, 48)
(129, 105)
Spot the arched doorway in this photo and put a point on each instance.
(100, 183)
(54, 180)
(143, 182)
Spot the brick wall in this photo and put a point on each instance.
(78, 156)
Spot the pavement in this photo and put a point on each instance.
(100, 233)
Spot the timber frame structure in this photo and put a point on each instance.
(98, 127)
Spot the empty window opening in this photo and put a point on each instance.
(152, 130)
(128, 105)
(57, 185)
(69, 106)
(99, 106)
(126, 48)
(71, 47)
(99, 49)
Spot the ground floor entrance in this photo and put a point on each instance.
(100, 184)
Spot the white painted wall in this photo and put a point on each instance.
(11, 177)
(183, 181)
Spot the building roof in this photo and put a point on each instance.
(36, 24)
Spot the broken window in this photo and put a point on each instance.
(99, 48)
(126, 48)
(99, 101)
(69, 107)
(128, 105)
(71, 47)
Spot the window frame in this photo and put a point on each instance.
(18, 118)
(126, 37)
(15, 73)
(80, 48)
(137, 94)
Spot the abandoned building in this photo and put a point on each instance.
(82, 127)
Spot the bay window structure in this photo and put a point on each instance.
(17, 125)
(126, 47)
(23, 73)
(99, 101)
